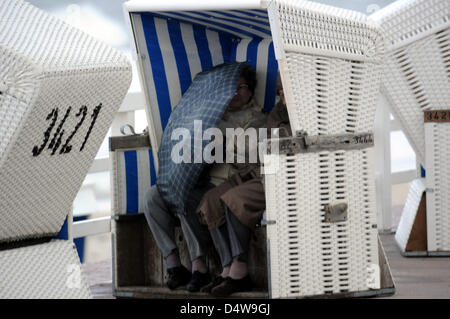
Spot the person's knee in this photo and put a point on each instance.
(151, 199)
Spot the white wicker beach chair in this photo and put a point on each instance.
(45, 271)
(416, 81)
(330, 61)
(59, 91)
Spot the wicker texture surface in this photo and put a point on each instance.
(409, 212)
(61, 91)
(310, 256)
(332, 67)
(417, 66)
(437, 150)
(45, 271)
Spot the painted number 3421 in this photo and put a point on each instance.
(59, 140)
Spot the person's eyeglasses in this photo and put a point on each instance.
(242, 86)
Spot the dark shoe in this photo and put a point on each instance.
(198, 280)
(178, 276)
(216, 281)
(230, 286)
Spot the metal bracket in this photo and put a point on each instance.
(302, 143)
(336, 212)
(339, 142)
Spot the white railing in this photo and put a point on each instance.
(384, 125)
(134, 101)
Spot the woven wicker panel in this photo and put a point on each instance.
(409, 212)
(61, 91)
(46, 271)
(332, 96)
(408, 20)
(309, 256)
(437, 152)
(331, 66)
(417, 65)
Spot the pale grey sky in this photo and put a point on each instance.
(107, 13)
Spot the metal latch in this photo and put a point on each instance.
(336, 212)
(268, 222)
(302, 143)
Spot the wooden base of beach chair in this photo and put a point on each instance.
(139, 270)
(411, 234)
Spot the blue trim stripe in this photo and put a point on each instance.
(202, 45)
(254, 13)
(131, 177)
(233, 51)
(252, 52)
(271, 79)
(248, 19)
(179, 51)
(157, 65)
(152, 168)
(243, 23)
(63, 232)
(225, 26)
(225, 43)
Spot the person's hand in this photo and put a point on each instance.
(280, 93)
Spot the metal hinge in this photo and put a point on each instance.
(336, 212)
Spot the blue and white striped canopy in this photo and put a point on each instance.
(177, 45)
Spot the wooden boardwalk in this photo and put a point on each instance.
(414, 277)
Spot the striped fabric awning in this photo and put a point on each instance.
(179, 44)
(134, 173)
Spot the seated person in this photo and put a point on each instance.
(161, 220)
(232, 209)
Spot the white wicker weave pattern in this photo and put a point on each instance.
(50, 42)
(45, 271)
(437, 152)
(409, 212)
(330, 96)
(62, 91)
(409, 20)
(308, 255)
(417, 68)
(331, 67)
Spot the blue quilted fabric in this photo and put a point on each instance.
(206, 100)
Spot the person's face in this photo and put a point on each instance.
(242, 96)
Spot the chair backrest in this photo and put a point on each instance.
(330, 62)
(174, 46)
(417, 64)
(59, 91)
